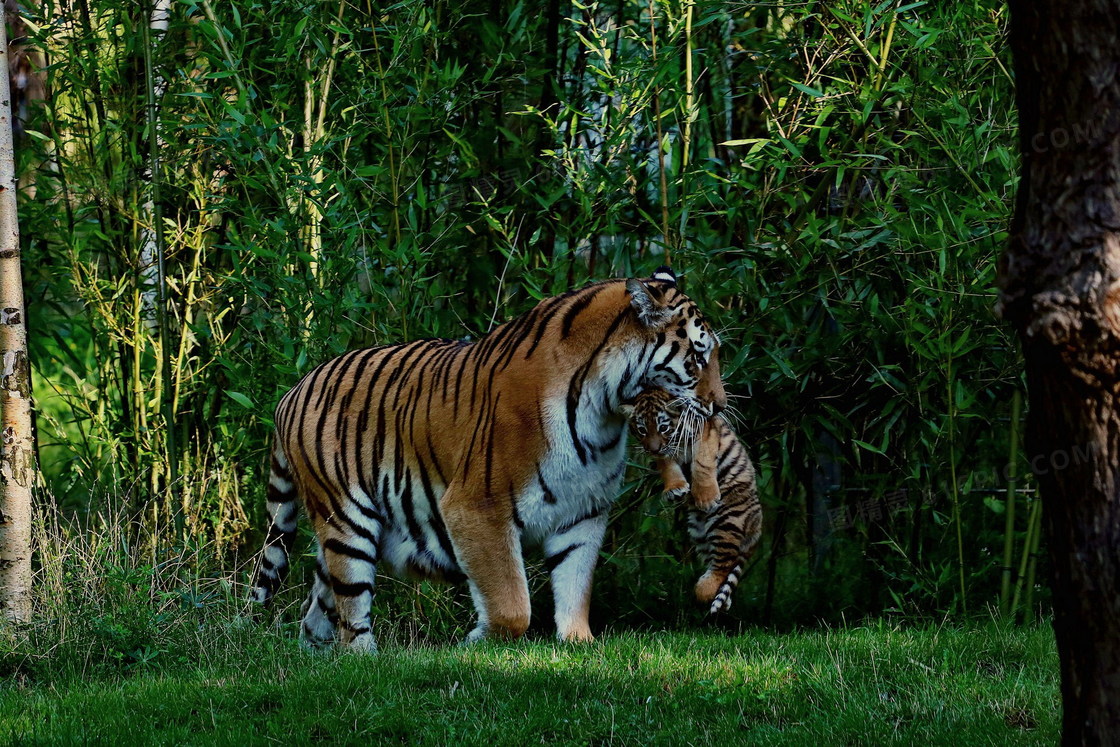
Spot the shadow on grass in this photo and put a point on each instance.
(862, 686)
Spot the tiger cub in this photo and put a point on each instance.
(724, 514)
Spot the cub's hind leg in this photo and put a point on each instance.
(349, 546)
(705, 471)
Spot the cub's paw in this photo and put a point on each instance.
(677, 490)
(706, 497)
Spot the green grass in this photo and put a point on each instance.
(250, 685)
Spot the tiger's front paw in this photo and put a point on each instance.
(576, 634)
(363, 643)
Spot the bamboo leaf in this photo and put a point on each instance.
(808, 90)
(745, 141)
(240, 399)
(868, 447)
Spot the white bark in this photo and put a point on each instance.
(17, 448)
(149, 246)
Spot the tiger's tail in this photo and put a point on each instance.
(282, 508)
(722, 599)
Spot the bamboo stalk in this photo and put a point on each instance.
(184, 329)
(664, 181)
(953, 479)
(1032, 564)
(689, 87)
(139, 423)
(315, 131)
(1009, 510)
(159, 18)
(880, 73)
(394, 176)
(1034, 526)
(690, 116)
(309, 230)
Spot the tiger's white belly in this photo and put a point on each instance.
(402, 556)
(564, 492)
(572, 490)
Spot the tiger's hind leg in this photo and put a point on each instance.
(350, 558)
(320, 618)
(282, 510)
(569, 556)
(349, 532)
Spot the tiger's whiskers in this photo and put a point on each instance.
(733, 416)
(687, 430)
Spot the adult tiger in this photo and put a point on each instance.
(440, 459)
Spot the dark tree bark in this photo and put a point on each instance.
(1060, 288)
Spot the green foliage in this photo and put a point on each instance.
(975, 685)
(155, 650)
(834, 181)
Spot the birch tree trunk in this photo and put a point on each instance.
(151, 244)
(17, 452)
(1060, 288)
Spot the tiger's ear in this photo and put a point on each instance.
(666, 275)
(650, 312)
(626, 411)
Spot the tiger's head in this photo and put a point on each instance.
(685, 350)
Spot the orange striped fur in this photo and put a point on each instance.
(444, 459)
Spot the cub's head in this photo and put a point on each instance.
(683, 358)
(653, 419)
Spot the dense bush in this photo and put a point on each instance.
(832, 180)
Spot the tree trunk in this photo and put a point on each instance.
(1060, 288)
(17, 449)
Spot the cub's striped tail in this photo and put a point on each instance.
(282, 508)
(722, 600)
